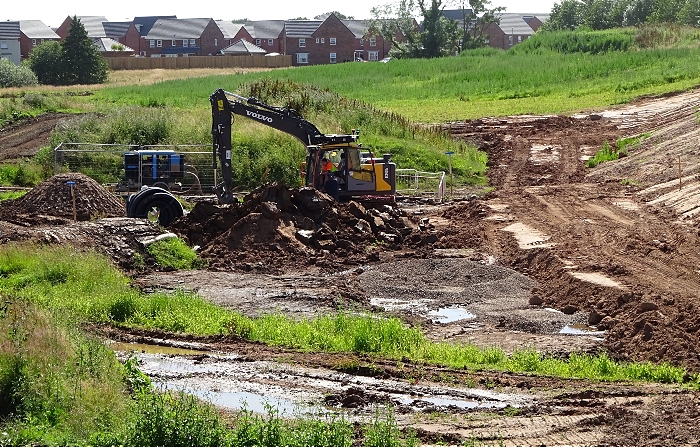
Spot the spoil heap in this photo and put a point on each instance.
(70, 196)
(277, 229)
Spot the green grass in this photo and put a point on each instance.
(621, 149)
(175, 253)
(477, 83)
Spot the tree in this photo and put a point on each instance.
(475, 20)
(638, 12)
(45, 62)
(689, 14)
(339, 15)
(567, 15)
(12, 75)
(395, 23)
(81, 62)
(596, 14)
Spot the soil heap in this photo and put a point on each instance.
(69, 196)
(277, 229)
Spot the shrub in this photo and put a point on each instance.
(12, 75)
(173, 252)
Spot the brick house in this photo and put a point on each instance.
(110, 38)
(9, 42)
(183, 37)
(233, 32)
(33, 33)
(316, 42)
(512, 30)
(267, 34)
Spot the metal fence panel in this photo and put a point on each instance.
(418, 183)
(105, 163)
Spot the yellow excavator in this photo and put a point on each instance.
(361, 174)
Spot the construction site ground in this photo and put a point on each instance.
(552, 256)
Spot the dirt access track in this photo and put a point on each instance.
(557, 257)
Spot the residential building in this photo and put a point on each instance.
(267, 34)
(512, 29)
(183, 37)
(242, 48)
(110, 38)
(234, 32)
(33, 33)
(315, 42)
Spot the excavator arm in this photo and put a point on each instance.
(225, 105)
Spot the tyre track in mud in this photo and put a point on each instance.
(25, 138)
(630, 265)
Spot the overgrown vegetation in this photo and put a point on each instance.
(175, 253)
(12, 75)
(621, 149)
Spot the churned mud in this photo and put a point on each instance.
(557, 257)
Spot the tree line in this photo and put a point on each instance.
(607, 14)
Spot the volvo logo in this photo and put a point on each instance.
(258, 116)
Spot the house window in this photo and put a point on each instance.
(302, 58)
(33, 42)
(270, 42)
(510, 40)
(192, 42)
(373, 55)
(258, 42)
(184, 42)
(331, 40)
(302, 43)
(152, 43)
(362, 42)
(159, 43)
(520, 39)
(173, 44)
(323, 40)
(333, 58)
(358, 56)
(216, 42)
(318, 40)
(372, 41)
(487, 40)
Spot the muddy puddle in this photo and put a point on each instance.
(232, 383)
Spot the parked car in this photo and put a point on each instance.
(385, 60)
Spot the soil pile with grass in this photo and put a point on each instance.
(277, 228)
(67, 197)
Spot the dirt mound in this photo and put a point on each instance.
(278, 229)
(68, 196)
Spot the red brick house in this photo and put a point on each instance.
(512, 30)
(233, 32)
(110, 38)
(33, 33)
(315, 42)
(267, 34)
(183, 37)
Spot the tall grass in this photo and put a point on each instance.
(477, 83)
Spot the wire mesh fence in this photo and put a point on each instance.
(187, 169)
(421, 184)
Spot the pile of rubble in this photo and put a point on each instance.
(277, 228)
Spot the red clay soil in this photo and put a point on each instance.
(280, 229)
(618, 244)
